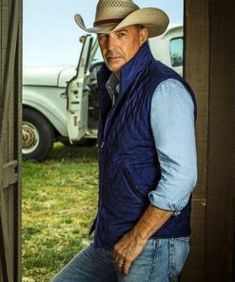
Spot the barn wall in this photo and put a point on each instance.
(221, 153)
(210, 69)
(10, 136)
(196, 72)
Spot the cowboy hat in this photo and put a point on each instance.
(113, 15)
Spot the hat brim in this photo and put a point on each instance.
(97, 29)
(154, 19)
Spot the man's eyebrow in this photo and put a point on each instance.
(120, 30)
(102, 33)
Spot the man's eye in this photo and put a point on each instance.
(102, 35)
(121, 34)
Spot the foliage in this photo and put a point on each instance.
(59, 204)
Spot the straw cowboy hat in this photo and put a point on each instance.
(113, 15)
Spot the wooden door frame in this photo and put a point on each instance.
(10, 139)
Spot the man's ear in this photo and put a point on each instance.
(144, 35)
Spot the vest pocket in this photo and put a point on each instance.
(130, 184)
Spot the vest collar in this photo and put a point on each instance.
(130, 70)
(136, 65)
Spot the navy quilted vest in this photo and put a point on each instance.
(128, 162)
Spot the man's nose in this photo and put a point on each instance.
(111, 42)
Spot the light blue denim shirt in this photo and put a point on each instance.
(172, 123)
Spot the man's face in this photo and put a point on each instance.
(120, 46)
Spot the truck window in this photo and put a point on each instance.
(176, 51)
(98, 56)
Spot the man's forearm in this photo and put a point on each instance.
(130, 246)
(151, 221)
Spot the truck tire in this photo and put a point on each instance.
(37, 135)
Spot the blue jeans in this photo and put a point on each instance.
(161, 261)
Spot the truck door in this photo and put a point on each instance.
(77, 96)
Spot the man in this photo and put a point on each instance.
(147, 155)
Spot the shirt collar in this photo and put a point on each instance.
(112, 86)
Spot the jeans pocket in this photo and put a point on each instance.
(179, 249)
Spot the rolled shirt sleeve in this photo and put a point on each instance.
(172, 122)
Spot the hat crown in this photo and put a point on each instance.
(114, 9)
(113, 15)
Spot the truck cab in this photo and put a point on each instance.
(168, 47)
(56, 104)
(61, 103)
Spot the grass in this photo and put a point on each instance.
(59, 204)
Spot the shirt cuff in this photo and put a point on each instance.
(164, 203)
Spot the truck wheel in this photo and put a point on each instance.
(37, 135)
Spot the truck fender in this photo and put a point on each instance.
(42, 104)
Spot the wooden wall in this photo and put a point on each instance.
(10, 137)
(210, 68)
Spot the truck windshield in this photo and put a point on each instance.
(97, 56)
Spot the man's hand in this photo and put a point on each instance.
(126, 250)
(131, 245)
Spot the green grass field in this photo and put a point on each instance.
(59, 204)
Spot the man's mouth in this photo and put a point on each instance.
(113, 58)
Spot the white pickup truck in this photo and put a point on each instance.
(60, 103)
